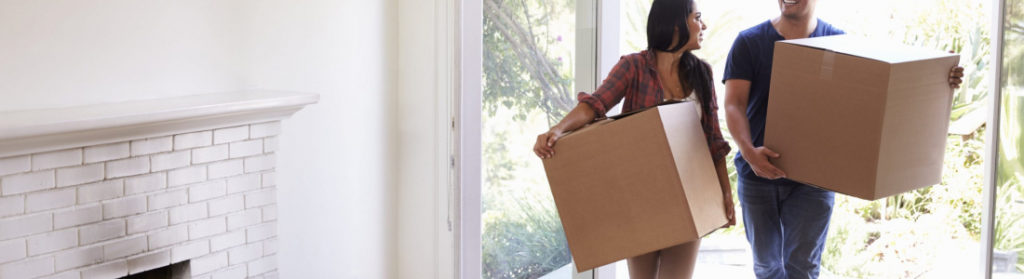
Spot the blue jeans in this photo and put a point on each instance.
(786, 226)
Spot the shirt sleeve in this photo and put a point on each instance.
(739, 63)
(838, 31)
(612, 90)
(717, 144)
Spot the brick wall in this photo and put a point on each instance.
(110, 210)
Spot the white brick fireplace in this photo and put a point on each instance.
(109, 190)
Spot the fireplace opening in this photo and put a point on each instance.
(174, 271)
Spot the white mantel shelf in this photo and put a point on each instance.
(30, 131)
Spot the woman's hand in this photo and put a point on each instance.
(758, 160)
(577, 117)
(544, 148)
(730, 211)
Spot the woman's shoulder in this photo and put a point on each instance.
(640, 56)
(638, 59)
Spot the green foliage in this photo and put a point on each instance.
(527, 69)
(909, 235)
(498, 164)
(527, 58)
(902, 236)
(1011, 136)
(1009, 229)
(1013, 53)
(522, 235)
(634, 33)
(961, 27)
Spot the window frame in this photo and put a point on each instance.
(991, 156)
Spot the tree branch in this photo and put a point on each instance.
(535, 61)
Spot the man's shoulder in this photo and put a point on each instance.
(755, 31)
(828, 29)
(759, 32)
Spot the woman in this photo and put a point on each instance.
(667, 70)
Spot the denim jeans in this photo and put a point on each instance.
(786, 226)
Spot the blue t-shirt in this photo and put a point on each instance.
(751, 59)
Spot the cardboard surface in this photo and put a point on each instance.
(633, 185)
(852, 117)
(883, 51)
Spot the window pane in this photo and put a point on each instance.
(528, 54)
(1007, 260)
(931, 232)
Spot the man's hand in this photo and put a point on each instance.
(955, 75)
(758, 160)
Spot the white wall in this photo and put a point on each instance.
(338, 156)
(58, 53)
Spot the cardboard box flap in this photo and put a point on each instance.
(586, 128)
(624, 115)
(604, 121)
(870, 49)
(693, 163)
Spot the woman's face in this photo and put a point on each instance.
(697, 27)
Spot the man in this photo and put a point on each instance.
(786, 222)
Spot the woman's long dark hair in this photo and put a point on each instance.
(668, 18)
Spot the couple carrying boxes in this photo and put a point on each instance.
(861, 118)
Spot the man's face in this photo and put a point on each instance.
(797, 9)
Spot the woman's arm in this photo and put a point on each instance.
(581, 115)
(723, 181)
(591, 106)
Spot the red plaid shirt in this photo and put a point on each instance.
(636, 79)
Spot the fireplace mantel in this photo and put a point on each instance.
(30, 131)
(109, 190)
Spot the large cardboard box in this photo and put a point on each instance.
(634, 185)
(860, 117)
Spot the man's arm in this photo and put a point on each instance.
(737, 94)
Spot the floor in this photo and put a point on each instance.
(730, 258)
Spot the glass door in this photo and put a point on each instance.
(529, 68)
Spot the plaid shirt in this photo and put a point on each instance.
(636, 79)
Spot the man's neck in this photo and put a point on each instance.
(795, 27)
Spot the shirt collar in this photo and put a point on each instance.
(652, 62)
